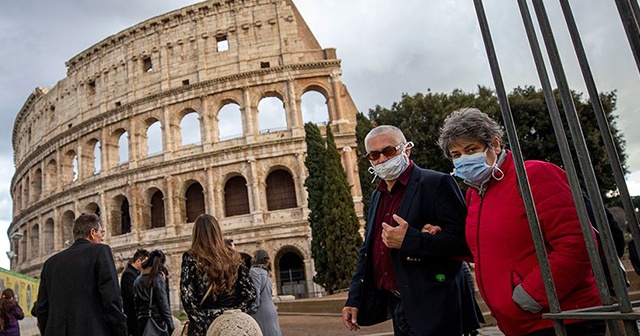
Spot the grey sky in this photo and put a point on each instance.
(387, 48)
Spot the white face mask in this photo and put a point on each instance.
(392, 168)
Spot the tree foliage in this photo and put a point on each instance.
(315, 163)
(420, 117)
(362, 129)
(340, 222)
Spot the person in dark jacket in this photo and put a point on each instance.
(153, 282)
(126, 286)
(79, 292)
(10, 313)
(403, 273)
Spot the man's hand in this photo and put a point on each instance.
(431, 229)
(350, 318)
(394, 236)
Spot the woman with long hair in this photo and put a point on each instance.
(10, 313)
(151, 294)
(214, 278)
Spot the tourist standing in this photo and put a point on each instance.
(265, 313)
(151, 295)
(126, 286)
(10, 313)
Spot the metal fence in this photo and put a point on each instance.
(618, 308)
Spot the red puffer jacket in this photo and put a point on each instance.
(500, 240)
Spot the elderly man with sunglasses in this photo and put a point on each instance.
(403, 273)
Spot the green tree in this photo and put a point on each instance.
(315, 163)
(340, 221)
(363, 127)
(420, 117)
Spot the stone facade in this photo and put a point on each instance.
(88, 144)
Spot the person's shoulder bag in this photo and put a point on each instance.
(152, 328)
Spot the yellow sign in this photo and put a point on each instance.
(25, 288)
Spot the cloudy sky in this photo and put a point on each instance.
(387, 48)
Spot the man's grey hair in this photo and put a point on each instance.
(395, 132)
(468, 124)
(83, 225)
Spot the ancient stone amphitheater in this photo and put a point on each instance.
(197, 110)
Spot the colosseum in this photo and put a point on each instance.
(197, 110)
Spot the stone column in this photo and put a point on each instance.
(336, 86)
(254, 181)
(302, 176)
(209, 193)
(168, 134)
(170, 204)
(207, 122)
(249, 120)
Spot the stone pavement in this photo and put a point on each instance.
(490, 331)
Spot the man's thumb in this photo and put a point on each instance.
(400, 220)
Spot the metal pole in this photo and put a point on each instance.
(603, 124)
(584, 160)
(521, 173)
(630, 24)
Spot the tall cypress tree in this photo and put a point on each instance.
(363, 127)
(340, 221)
(315, 163)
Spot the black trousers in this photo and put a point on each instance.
(400, 324)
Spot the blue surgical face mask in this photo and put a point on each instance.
(473, 168)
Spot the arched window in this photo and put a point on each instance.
(48, 235)
(125, 220)
(236, 198)
(35, 241)
(74, 164)
(154, 139)
(190, 129)
(52, 175)
(157, 210)
(314, 108)
(291, 277)
(97, 158)
(281, 191)
(229, 122)
(123, 148)
(67, 228)
(120, 219)
(271, 115)
(37, 184)
(194, 202)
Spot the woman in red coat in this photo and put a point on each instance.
(498, 234)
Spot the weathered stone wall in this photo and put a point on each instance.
(111, 88)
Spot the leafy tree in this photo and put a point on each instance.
(362, 129)
(340, 221)
(315, 163)
(420, 117)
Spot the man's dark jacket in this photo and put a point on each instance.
(126, 286)
(79, 293)
(425, 270)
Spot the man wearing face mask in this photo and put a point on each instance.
(403, 273)
(498, 234)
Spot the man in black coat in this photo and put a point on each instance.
(126, 286)
(79, 292)
(403, 273)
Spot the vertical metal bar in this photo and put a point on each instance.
(603, 124)
(585, 161)
(565, 152)
(636, 12)
(523, 183)
(630, 24)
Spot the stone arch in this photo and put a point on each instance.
(155, 214)
(194, 201)
(120, 219)
(120, 141)
(314, 106)
(23, 246)
(190, 127)
(25, 192)
(36, 184)
(68, 217)
(290, 272)
(229, 121)
(51, 175)
(236, 196)
(272, 114)
(34, 237)
(152, 144)
(91, 163)
(281, 190)
(70, 167)
(93, 208)
(48, 235)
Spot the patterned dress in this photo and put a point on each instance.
(194, 283)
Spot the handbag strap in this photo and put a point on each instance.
(206, 294)
(151, 300)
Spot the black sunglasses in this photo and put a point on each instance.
(388, 152)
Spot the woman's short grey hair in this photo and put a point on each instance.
(467, 124)
(395, 132)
